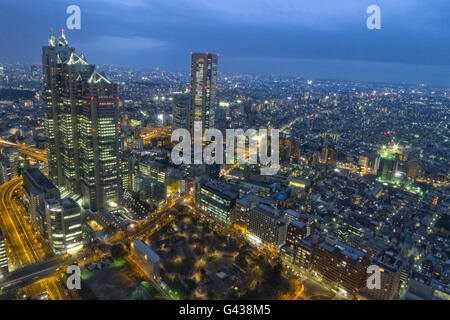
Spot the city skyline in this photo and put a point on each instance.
(331, 189)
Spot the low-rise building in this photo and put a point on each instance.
(38, 188)
(65, 233)
(145, 258)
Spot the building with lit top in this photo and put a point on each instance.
(203, 90)
(82, 126)
(388, 163)
(154, 170)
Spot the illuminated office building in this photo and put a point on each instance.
(241, 211)
(181, 112)
(241, 214)
(297, 250)
(8, 164)
(65, 233)
(203, 89)
(82, 126)
(388, 166)
(3, 257)
(154, 170)
(125, 173)
(216, 201)
(150, 190)
(296, 231)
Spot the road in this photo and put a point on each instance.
(31, 152)
(24, 246)
(145, 228)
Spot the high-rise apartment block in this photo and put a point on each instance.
(341, 265)
(267, 224)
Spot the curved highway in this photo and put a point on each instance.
(24, 247)
(31, 152)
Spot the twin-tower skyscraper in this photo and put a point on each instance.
(82, 120)
(82, 126)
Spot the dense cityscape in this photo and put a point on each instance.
(87, 180)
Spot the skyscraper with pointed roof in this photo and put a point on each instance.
(82, 125)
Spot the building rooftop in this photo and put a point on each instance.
(39, 179)
(271, 213)
(292, 213)
(145, 250)
(339, 247)
(219, 188)
(389, 261)
(65, 203)
(298, 224)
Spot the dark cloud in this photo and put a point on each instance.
(413, 44)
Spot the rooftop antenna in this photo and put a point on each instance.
(50, 40)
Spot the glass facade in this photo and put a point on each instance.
(82, 125)
(203, 89)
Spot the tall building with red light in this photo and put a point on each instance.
(82, 126)
(203, 89)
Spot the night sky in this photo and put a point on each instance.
(311, 39)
